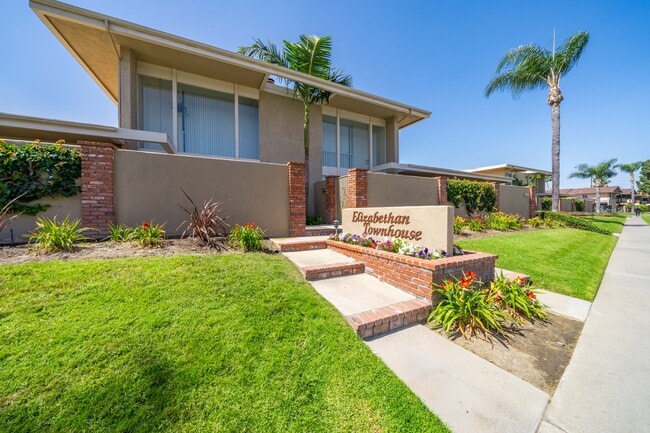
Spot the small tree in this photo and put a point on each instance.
(644, 178)
(599, 174)
(631, 168)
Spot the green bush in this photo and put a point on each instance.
(476, 196)
(572, 221)
(246, 238)
(643, 208)
(519, 302)
(459, 224)
(314, 220)
(580, 205)
(51, 236)
(148, 234)
(477, 224)
(34, 171)
(503, 222)
(547, 203)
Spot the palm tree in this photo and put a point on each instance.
(631, 168)
(599, 174)
(312, 56)
(529, 67)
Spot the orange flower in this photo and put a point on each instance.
(250, 226)
(531, 295)
(145, 225)
(471, 275)
(465, 283)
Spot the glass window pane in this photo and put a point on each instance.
(156, 108)
(206, 121)
(378, 145)
(354, 142)
(329, 141)
(249, 136)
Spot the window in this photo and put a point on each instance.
(329, 141)
(157, 108)
(349, 142)
(208, 121)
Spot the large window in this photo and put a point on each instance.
(215, 121)
(352, 143)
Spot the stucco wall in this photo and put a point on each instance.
(60, 207)
(148, 186)
(341, 196)
(514, 200)
(399, 190)
(282, 138)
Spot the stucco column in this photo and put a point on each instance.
(297, 200)
(330, 199)
(442, 190)
(357, 187)
(97, 190)
(532, 201)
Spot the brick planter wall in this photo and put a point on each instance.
(97, 189)
(330, 199)
(442, 191)
(297, 199)
(415, 275)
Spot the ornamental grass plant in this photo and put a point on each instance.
(51, 236)
(248, 237)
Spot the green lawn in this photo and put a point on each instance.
(614, 223)
(646, 218)
(230, 343)
(567, 261)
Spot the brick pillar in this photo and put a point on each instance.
(297, 199)
(442, 191)
(330, 199)
(497, 186)
(97, 194)
(532, 201)
(357, 187)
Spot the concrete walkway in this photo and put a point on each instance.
(606, 387)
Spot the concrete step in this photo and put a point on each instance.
(303, 243)
(324, 263)
(370, 306)
(322, 230)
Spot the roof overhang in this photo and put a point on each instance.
(421, 170)
(95, 41)
(17, 127)
(510, 168)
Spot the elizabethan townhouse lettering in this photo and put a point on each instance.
(394, 223)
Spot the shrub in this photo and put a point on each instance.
(246, 238)
(477, 224)
(580, 205)
(148, 234)
(476, 196)
(503, 222)
(205, 224)
(33, 171)
(643, 208)
(466, 309)
(547, 203)
(517, 301)
(459, 224)
(51, 236)
(119, 233)
(314, 220)
(572, 221)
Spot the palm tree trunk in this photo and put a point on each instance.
(306, 143)
(555, 155)
(598, 198)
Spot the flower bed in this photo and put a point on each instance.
(413, 274)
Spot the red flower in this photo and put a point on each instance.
(471, 275)
(465, 283)
(250, 226)
(531, 295)
(145, 226)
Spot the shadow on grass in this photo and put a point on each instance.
(139, 397)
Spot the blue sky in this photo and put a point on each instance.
(435, 55)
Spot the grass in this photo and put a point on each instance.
(230, 343)
(646, 218)
(614, 223)
(567, 261)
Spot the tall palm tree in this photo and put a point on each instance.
(631, 168)
(311, 55)
(599, 174)
(530, 67)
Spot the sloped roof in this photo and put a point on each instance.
(94, 40)
(588, 191)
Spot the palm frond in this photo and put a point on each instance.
(569, 53)
(523, 68)
(630, 167)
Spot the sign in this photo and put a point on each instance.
(427, 226)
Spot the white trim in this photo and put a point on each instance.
(175, 111)
(237, 121)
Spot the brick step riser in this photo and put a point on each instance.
(314, 273)
(369, 324)
(302, 246)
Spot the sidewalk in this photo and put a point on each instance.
(606, 387)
